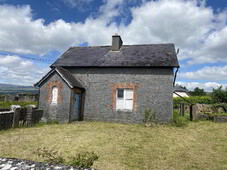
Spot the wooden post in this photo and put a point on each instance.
(191, 112)
(182, 109)
(16, 117)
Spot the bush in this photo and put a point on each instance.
(149, 117)
(50, 156)
(178, 120)
(195, 99)
(81, 160)
(219, 95)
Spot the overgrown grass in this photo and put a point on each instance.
(178, 120)
(23, 104)
(200, 145)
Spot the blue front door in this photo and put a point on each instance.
(76, 104)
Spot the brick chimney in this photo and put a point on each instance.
(116, 42)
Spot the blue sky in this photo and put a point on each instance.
(42, 30)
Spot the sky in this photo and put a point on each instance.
(34, 33)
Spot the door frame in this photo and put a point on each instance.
(82, 94)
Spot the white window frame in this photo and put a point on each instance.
(54, 99)
(121, 103)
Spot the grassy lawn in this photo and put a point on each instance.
(200, 145)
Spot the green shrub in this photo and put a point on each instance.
(195, 99)
(178, 120)
(50, 156)
(219, 95)
(149, 117)
(81, 160)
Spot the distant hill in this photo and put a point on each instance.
(15, 89)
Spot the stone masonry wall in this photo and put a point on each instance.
(152, 89)
(61, 110)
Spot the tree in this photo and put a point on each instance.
(183, 87)
(219, 94)
(198, 92)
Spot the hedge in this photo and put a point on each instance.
(193, 99)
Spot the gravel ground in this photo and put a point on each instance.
(19, 164)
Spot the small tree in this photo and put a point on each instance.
(219, 95)
(198, 92)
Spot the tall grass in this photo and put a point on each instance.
(22, 104)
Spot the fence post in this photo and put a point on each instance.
(16, 115)
(30, 117)
(193, 110)
(16, 118)
(182, 109)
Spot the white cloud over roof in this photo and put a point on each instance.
(200, 33)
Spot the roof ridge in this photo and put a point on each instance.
(122, 45)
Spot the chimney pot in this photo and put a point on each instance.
(116, 42)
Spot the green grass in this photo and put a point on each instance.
(23, 104)
(199, 145)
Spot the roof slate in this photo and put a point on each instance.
(70, 79)
(73, 80)
(150, 55)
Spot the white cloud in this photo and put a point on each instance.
(177, 21)
(214, 73)
(208, 86)
(79, 4)
(14, 70)
(200, 33)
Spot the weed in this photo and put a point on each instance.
(150, 117)
(81, 160)
(50, 156)
(178, 120)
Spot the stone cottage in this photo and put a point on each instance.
(110, 83)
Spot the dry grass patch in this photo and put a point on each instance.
(200, 145)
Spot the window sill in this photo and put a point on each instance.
(124, 110)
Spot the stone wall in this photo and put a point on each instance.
(153, 89)
(22, 97)
(205, 111)
(206, 108)
(61, 110)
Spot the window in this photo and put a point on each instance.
(54, 95)
(124, 99)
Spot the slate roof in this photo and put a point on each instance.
(70, 79)
(73, 80)
(150, 55)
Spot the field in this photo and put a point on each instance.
(200, 145)
(22, 104)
